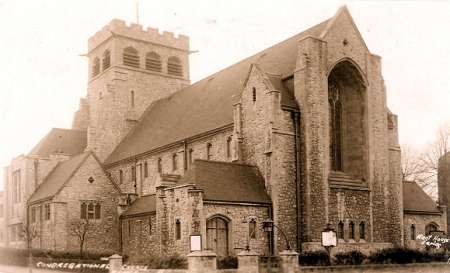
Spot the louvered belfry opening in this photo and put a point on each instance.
(174, 67)
(131, 57)
(106, 59)
(96, 67)
(153, 62)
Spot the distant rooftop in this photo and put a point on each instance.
(61, 141)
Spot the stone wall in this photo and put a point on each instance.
(139, 237)
(420, 221)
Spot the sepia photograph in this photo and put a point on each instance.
(219, 136)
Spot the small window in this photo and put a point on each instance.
(159, 165)
(174, 66)
(252, 229)
(120, 176)
(254, 94)
(40, 213)
(129, 227)
(106, 59)
(229, 147)
(153, 62)
(83, 211)
(90, 211)
(362, 231)
(1, 211)
(132, 98)
(191, 156)
(149, 226)
(145, 169)
(340, 232)
(413, 232)
(208, 151)
(133, 173)
(97, 211)
(33, 215)
(96, 67)
(47, 211)
(174, 162)
(178, 229)
(352, 230)
(130, 57)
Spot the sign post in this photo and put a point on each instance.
(329, 240)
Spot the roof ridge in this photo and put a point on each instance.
(225, 162)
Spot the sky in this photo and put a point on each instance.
(43, 74)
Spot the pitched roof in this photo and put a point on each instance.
(66, 141)
(228, 182)
(144, 204)
(416, 200)
(56, 179)
(207, 104)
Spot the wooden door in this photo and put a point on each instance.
(217, 236)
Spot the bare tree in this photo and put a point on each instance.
(429, 158)
(29, 232)
(412, 167)
(80, 229)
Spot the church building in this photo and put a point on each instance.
(299, 134)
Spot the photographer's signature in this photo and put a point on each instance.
(432, 241)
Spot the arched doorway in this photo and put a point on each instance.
(217, 235)
(430, 228)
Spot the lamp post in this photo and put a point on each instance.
(329, 240)
(268, 226)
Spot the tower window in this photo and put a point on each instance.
(130, 57)
(177, 229)
(174, 162)
(252, 229)
(413, 232)
(145, 169)
(229, 147)
(106, 59)
(254, 94)
(132, 98)
(153, 62)
(208, 151)
(340, 231)
(362, 231)
(335, 111)
(96, 67)
(159, 165)
(352, 230)
(174, 66)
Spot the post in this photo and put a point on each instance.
(202, 262)
(248, 262)
(289, 261)
(115, 263)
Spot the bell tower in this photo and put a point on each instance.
(129, 69)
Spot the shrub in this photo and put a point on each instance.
(170, 262)
(313, 258)
(354, 257)
(227, 262)
(405, 255)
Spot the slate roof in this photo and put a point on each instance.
(207, 104)
(144, 204)
(66, 141)
(415, 200)
(228, 182)
(56, 179)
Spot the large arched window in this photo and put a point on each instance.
(106, 63)
(131, 57)
(347, 121)
(174, 66)
(430, 228)
(153, 62)
(335, 110)
(96, 67)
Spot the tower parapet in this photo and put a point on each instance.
(136, 31)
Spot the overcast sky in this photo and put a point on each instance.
(42, 74)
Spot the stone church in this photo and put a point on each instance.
(299, 133)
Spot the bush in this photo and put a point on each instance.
(405, 255)
(170, 262)
(228, 262)
(354, 257)
(313, 258)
